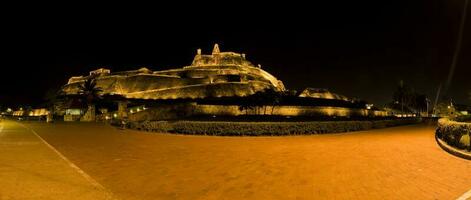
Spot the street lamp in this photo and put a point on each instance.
(427, 101)
(369, 106)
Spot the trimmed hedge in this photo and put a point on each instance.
(265, 128)
(463, 118)
(155, 126)
(456, 134)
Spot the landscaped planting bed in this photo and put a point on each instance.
(265, 128)
(456, 134)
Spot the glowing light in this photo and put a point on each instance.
(369, 106)
(115, 115)
(73, 112)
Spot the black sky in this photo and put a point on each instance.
(359, 50)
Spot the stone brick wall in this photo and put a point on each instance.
(165, 112)
(290, 111)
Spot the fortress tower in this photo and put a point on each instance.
(220, 58)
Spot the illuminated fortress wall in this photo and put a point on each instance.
(163, 112)
(291, 111)
(321, 94)
(221, 74)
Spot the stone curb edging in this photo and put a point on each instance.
(458, 153)
(452, 150)
(465, 196)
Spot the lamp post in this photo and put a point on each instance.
(427, 101)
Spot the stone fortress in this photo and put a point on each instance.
(221, 74)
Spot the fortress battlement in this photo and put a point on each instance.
(221, 74)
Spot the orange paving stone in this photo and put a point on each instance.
(393, 163)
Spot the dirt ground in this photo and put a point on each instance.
(393, 163)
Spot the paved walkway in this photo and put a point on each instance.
(393, 163)
(31, 169)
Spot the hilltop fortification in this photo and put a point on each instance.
(219, 74)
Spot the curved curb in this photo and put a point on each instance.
(465, 196)
(452, 150)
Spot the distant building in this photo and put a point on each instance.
(100, 71)
(321, 94)
(445, 109)
(39, 112)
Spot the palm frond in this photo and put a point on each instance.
(89, 90)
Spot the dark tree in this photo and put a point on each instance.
(421, 103)
(246, 105)
(273, 98)
(91, 93)
(261, 100)
(52, 97)
(403, 96)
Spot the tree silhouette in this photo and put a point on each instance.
(52, 97)
(272, 98)
(91, 93)
(260, 101)
(402, 95)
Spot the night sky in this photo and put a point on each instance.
(359, 50)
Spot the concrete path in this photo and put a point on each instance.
(32, 169)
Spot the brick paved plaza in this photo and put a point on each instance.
(393, 163)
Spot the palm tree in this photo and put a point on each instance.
(90, 92)
(53, 98)
(402, 95)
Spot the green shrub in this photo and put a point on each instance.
(463, 118)
(265, 128)
(465, 140)
(157, 126)
(452, 133)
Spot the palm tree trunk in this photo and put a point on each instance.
(91, 109)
